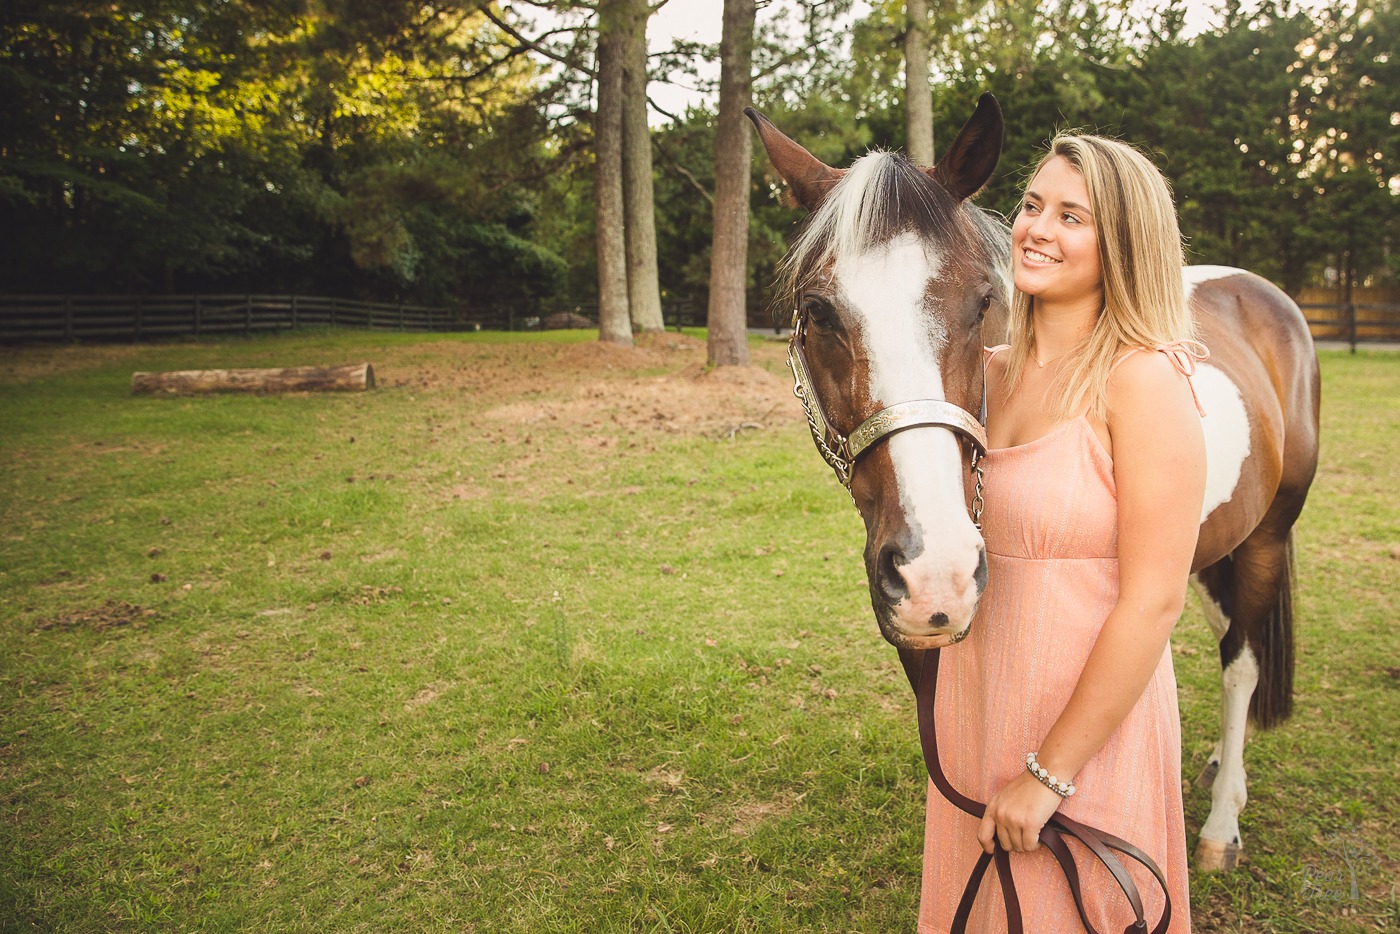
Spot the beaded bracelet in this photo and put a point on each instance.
(1063, 789)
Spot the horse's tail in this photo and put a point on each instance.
(1272, 702)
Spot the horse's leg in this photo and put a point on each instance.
(1247, 602)
(1219, 623)
(1219, 844)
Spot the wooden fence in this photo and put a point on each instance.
(1355, 322)
(54, 318)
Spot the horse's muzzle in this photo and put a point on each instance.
(936, 639)
(921, 604)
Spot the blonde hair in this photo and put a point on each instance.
(1140, 250)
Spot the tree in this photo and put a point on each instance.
(918, 97)
(1352, 161)
(643, 288)
(727, 343)
(381, 150)
(1231, 113)
(624, 217)
(614, 320)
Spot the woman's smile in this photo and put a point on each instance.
(1056, 241)
(1035, 256)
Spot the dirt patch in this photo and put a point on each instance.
(667, 779)
(748, 816)
(506, 369)
(370, 595)
(693, 400)
(543, 409)
(110, 615)
(424, 697)
(22, 364)
(661, 384)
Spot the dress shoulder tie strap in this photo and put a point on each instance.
(1184, 355)
(990, 352)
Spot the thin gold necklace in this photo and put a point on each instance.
(1041, 363)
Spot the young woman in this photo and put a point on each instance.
(1094, 485)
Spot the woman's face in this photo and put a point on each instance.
(1054, 240)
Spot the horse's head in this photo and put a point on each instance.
(891, 278)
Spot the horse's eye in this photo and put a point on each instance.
(982, 308)
(818, 311)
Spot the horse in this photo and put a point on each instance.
(897, 282)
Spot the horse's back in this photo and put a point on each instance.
(1260, 391)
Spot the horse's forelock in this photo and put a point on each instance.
(881, 197)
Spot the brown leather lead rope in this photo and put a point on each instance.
(1051, 835)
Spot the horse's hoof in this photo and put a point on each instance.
(1217, 857)
(1207, 776)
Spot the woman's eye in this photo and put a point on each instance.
(1071, 219)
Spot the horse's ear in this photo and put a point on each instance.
(970, 161)
(807, 176)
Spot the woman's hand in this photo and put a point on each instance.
(1016, 813)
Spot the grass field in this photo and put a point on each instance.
(548, 636)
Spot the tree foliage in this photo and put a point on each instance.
(442, 151)
(387, 149)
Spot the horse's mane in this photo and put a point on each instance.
(881, 197)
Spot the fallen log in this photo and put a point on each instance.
(352, 377)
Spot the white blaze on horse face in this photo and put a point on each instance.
(1226, 426)
(901, 338)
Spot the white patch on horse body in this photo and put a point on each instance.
(1192, 276)
(1228, 794)
(1213, 612)
(885, 287)
(1226, 426)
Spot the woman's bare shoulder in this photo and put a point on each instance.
(1151, 407)
(1144, 377)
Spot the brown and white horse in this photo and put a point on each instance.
(898, 281)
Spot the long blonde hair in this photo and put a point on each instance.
(1140, 250)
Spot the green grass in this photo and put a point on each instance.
(468, 674)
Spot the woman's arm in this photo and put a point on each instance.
(1159, 470)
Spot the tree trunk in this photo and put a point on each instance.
(614, 324)
(352, 377)
(918, 97)
(643, 286)
(728, 311)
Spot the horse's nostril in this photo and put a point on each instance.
(887, 577)
(938, 620)
(980, 575)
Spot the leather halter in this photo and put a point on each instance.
(841, 453)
